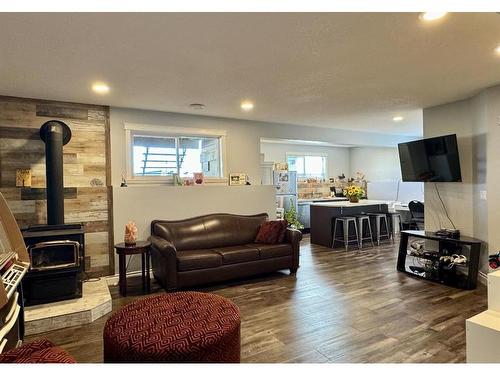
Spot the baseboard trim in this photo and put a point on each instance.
(483, 278)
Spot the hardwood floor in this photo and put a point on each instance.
(340, 307)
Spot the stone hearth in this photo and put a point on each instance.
(95, 303)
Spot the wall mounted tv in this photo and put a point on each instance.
(430, 160)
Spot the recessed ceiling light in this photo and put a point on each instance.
(197, 106)
(432, 16)
(100, 88)
(246, 105)
(398, 118)
(497, 50)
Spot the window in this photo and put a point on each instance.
(308, 165)
(159, 152)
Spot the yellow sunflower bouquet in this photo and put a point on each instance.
(354, 192)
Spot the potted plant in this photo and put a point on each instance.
(354, 192)
(292, 218)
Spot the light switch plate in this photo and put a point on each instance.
(482, 195)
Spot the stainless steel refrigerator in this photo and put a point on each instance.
(285, 183)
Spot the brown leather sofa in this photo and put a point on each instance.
(216, 247)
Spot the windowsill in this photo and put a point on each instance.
(170, 182)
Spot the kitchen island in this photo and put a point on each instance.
(323, 215)
(304, 205)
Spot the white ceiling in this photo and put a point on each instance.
(340, 70)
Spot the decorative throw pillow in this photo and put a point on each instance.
(271, 232)
(284, 225)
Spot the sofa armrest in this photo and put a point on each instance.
(293, 237)
(164, 262)
(162, 245)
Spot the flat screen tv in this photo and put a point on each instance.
(430, 160)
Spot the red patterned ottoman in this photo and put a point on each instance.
(175, 327)
(38, 351)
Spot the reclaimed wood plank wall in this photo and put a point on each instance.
(87, 180)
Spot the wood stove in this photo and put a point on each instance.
(56, 250)
(57, 254)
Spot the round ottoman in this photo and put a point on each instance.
(174, 327)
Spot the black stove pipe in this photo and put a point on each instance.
(55, 134)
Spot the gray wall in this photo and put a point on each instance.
(145, 203)
(243, 137)
(476, 123)
(142, 204)
(377, 163)
(338, 157)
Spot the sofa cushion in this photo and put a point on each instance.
(273, 251)
(197, 259)
(271, 232)
(238, 254)
(209, 231)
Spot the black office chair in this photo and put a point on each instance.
(417, 215)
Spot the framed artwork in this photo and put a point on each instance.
(281, 166)
(23, 177)
(236, 179)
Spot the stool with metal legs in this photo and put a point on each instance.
(345, 222)
(362, 219)
(395, 216)
(378, 218)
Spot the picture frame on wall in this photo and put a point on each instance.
(281, 167)
(237, 179)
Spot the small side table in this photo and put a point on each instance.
(140, 247)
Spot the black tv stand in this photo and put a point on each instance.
(426, 263)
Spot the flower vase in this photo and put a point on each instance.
(353, 199)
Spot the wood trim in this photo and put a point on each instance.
(111, 236)
(87, 166)
(174, 130)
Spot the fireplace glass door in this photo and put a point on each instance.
(53, 255)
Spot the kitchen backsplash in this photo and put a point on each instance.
(313, 190)
(308, 190)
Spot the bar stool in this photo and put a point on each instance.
(369, 235)
(345, 221)
(394, 216)
(379, 217)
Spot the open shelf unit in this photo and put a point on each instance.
(426, 263)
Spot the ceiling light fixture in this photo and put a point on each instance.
(497, 50)
(197, 106)
(432, 16)
(100, 88)
(398, 118)
(246, 105)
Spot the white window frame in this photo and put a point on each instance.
(324, 155)
(132, 129)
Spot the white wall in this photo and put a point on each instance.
(143, 204)
(243, 137)
(338, 157)
(377, 163)
(475, 121)
(487, 165)
(454, 118)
